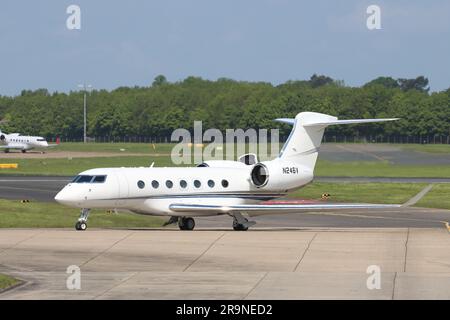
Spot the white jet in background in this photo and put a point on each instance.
(216, 187)
(23, 143)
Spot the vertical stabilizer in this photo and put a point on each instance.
(304, 141)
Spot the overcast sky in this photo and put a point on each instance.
(127, 43)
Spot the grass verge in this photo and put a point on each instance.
(379, 169)
(72, 166)
(438, 197)
(7, 282)
(389, 193)
(429, 148)
(14, 214)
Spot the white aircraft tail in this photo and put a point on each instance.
(305, 138)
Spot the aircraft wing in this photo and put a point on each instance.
(11, 147)
(261, 209)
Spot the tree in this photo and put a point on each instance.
(386, 82)
(420, 84)
(159, 81)
(318, 81)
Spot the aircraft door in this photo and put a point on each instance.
(122, 182)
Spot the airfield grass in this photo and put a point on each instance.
(166, 148)
(389, 193)
(143, 154)
(14, 214)
(122, 147)
(437, 197)
(72, 166)
(379, 169)
(7, 281)
(429, 148)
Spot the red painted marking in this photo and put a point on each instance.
(293, 201)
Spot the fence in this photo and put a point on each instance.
(437, 139)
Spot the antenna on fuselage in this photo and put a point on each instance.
(153, 163)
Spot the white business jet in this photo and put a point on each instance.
(216, 187)
(23, 143)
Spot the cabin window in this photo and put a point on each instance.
(225, 183)
(211, 183)
(197, 183)
(141, 184)
(169, 184)
(183, 184)
(155, 184)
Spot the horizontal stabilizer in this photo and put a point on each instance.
(286, 120)
(353, 121)
(307, 123)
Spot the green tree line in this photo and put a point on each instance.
(156, 110)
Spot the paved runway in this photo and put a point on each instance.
(41, 188)
(403, 217)
(312, 263)
(342, 152)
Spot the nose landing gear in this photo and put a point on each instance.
(81, 224)
(186, 223)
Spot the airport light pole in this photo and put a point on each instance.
(85, 88)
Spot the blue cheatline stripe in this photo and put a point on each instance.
(200, 195)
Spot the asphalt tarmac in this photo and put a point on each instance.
(311, 263)
(341, 152)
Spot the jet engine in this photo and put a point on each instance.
(279, 175)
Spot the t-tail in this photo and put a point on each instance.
(303, 143)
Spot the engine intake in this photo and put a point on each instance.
(260, 175)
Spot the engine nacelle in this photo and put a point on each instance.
(279, 175)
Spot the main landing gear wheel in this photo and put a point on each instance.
(186, 223)
(81, 224)
(239, 226)
(23, 151)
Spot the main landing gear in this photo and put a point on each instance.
(186, 223)
(81, 224)
(239, 226)
(240, 223)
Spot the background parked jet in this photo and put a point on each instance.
(23, 143)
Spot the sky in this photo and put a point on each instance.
(128, 43)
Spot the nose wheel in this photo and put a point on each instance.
(186, 223)
(81, 224)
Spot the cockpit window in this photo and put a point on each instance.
(40, 139)
(99, 179)
(89, 179)
(83, 179)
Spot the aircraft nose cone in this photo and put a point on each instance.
(63, 197)
(59, 197)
